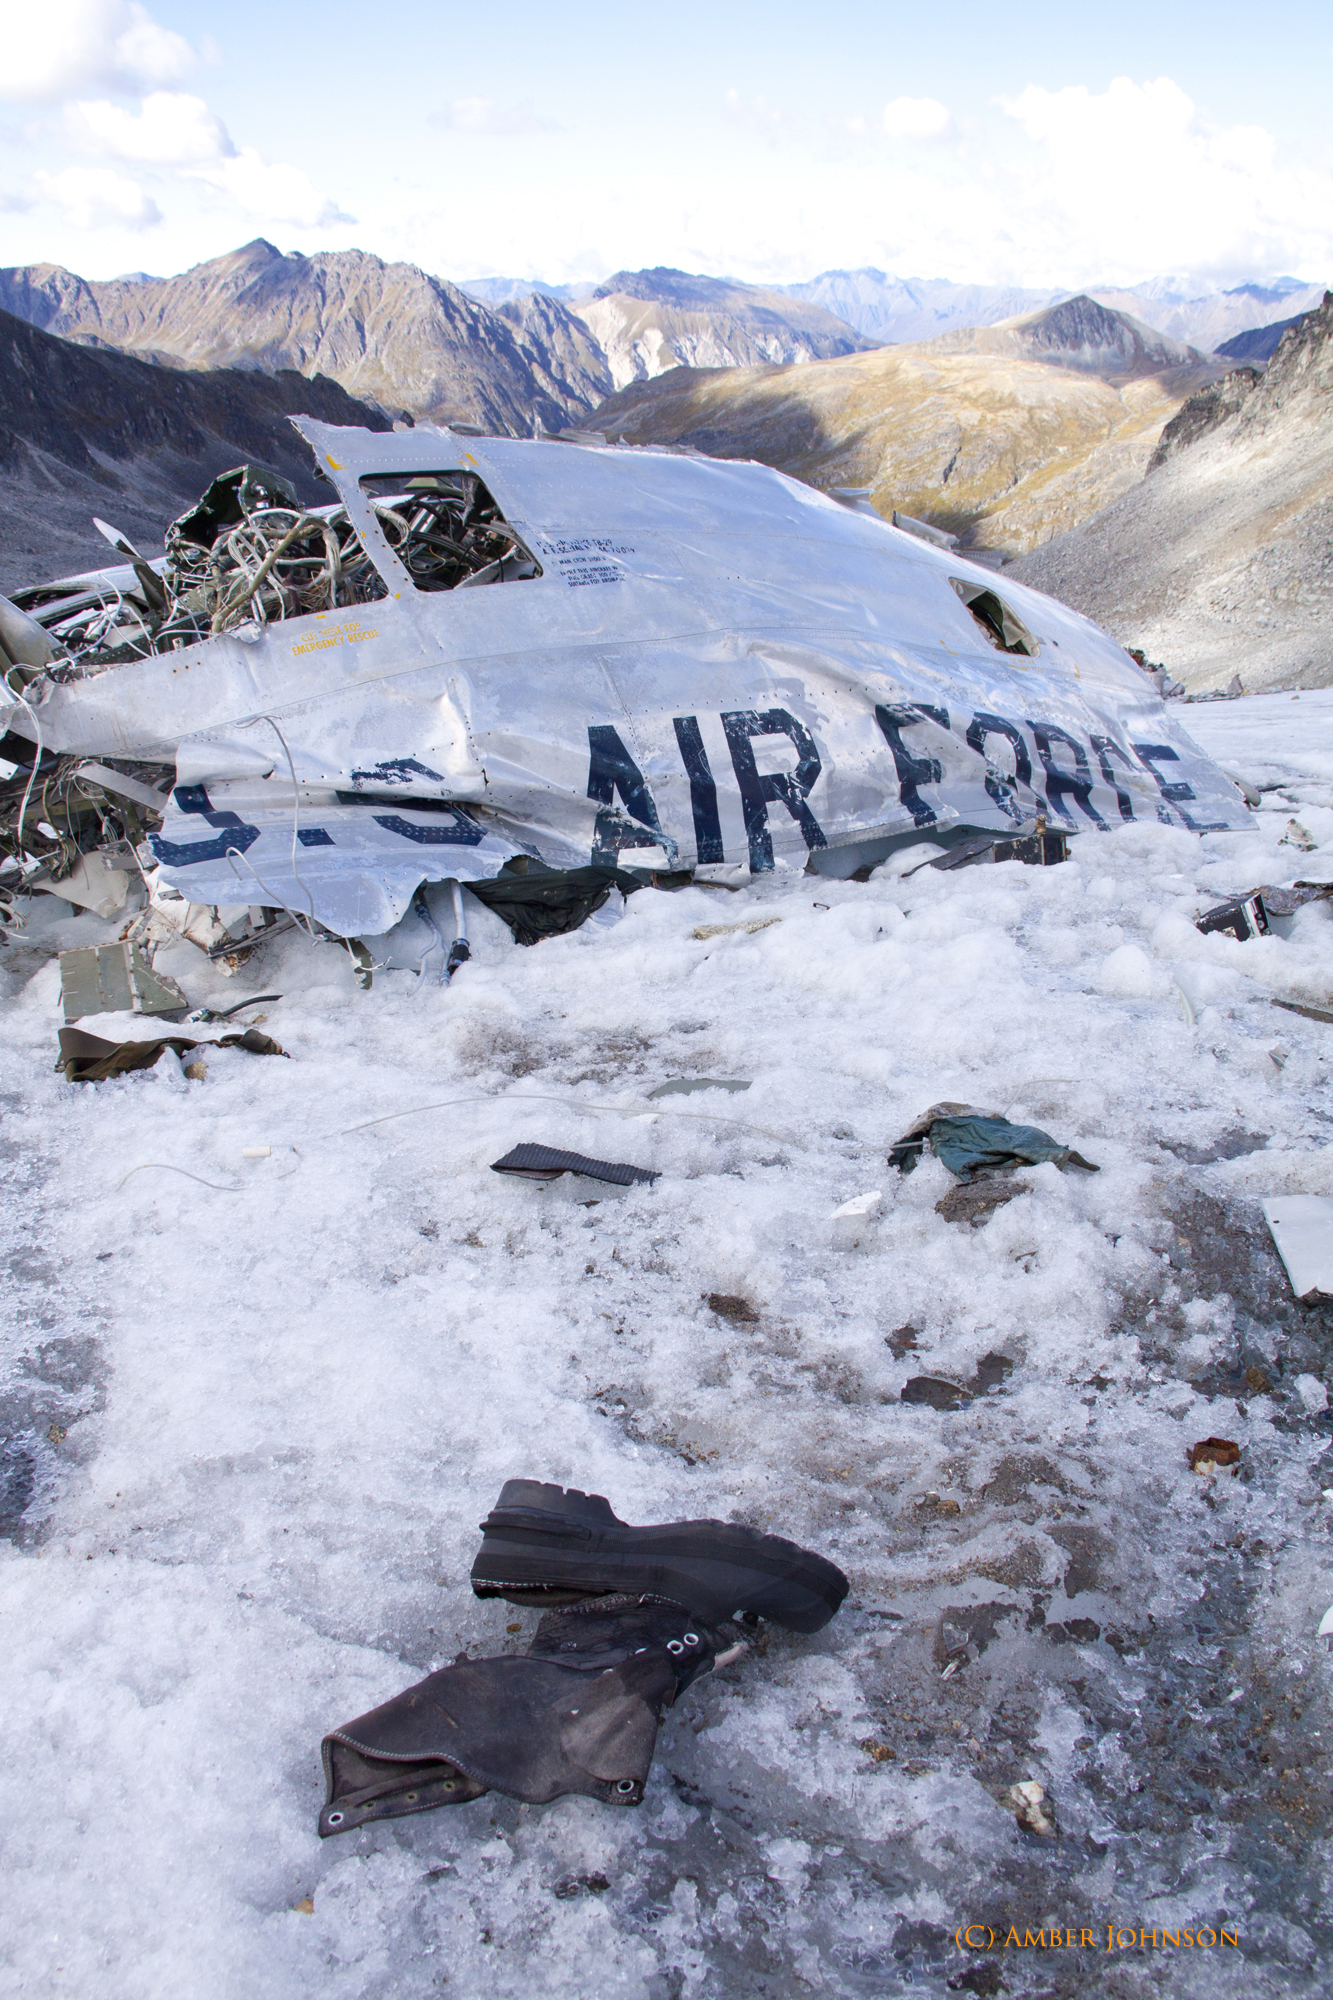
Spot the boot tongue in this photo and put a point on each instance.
(609, 1631)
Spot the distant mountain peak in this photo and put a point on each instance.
(650, 322)
(666, 286)
(1083, 331)
(1079, 333)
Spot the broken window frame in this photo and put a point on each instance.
(1005, 631)
(394, 495)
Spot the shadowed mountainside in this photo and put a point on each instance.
(84, 433)
(1257, 345)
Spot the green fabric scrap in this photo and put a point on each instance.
(972, 1142)
(970, 1146)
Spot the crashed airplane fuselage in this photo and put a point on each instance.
(697, 665)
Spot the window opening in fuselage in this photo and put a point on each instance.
(1001, 625)
(446, 530)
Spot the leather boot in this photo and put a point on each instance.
(545, 1545)
(578, 1713)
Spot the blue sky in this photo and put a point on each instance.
(1036, 145)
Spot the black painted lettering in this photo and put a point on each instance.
(913, 771)
(703, 790)
(1107, 748)
(1002, 790)
(1174, 793)
(759, 791)
(1061, 783)
(611, 769)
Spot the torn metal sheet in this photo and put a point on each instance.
(123, 787)
(352, 861)
(115, 979)
(94, 883)
(1301, 1226)
(1243, 917)
(1038, 848)
(679, 663)
(23, 642)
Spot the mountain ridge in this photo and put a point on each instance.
(1079, 332)
(389, 333)
(890, 310)
(648, 322)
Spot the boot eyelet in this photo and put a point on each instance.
(335, 1819)
(410, 1798)
(691, 1638)
(626, 1786)
(674, 1646)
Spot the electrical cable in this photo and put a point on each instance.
(225, 1013)
(218, 1186)
(167, 1168)
(534, 1097)
(237, 599)
(296, 812)
(32, 775)
(234, 854)
(422, 909)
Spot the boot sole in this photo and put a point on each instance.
(548, 1544)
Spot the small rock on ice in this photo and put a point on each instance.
(1312, 1393)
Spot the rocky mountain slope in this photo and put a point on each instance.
(650, 321)
(565, 354)
(85, 432)
(388, 333)
(1221, 560)
(1005, 435)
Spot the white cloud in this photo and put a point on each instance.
(98, 198)
(60, 46)
(272, 191)
(915, 118)
(172, 129)
(169, 129)
(495, 120)
(1137, 177)
(756, 112)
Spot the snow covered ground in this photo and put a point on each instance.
(255, 1410)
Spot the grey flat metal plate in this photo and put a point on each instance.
(1302, 1229)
